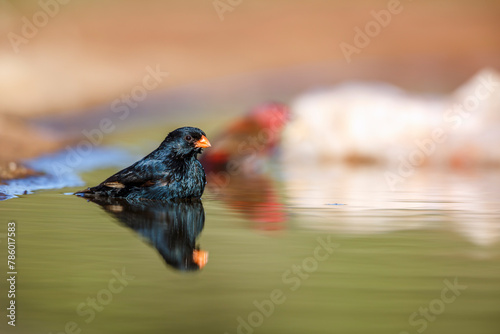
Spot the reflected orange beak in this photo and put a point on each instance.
(203, 142)
(200, 258)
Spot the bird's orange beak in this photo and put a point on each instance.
(200, 258)
(203, 142)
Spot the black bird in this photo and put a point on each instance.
(170, 172)
(171, 227)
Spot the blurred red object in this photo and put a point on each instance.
(234, 165)
(240, 148)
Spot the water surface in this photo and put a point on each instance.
(291, 252)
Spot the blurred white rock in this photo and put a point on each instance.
(379, 123)
(342, 144)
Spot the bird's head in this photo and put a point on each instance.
(186, 141)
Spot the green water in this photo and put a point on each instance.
(374, 280)
(284, 257)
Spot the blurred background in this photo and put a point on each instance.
(373, 124)
(66, 59)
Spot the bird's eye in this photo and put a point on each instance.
(188, 138)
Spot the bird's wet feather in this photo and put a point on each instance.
(171, 171)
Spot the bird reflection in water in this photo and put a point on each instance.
(171, 227)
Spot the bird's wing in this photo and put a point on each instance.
(141, 174)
